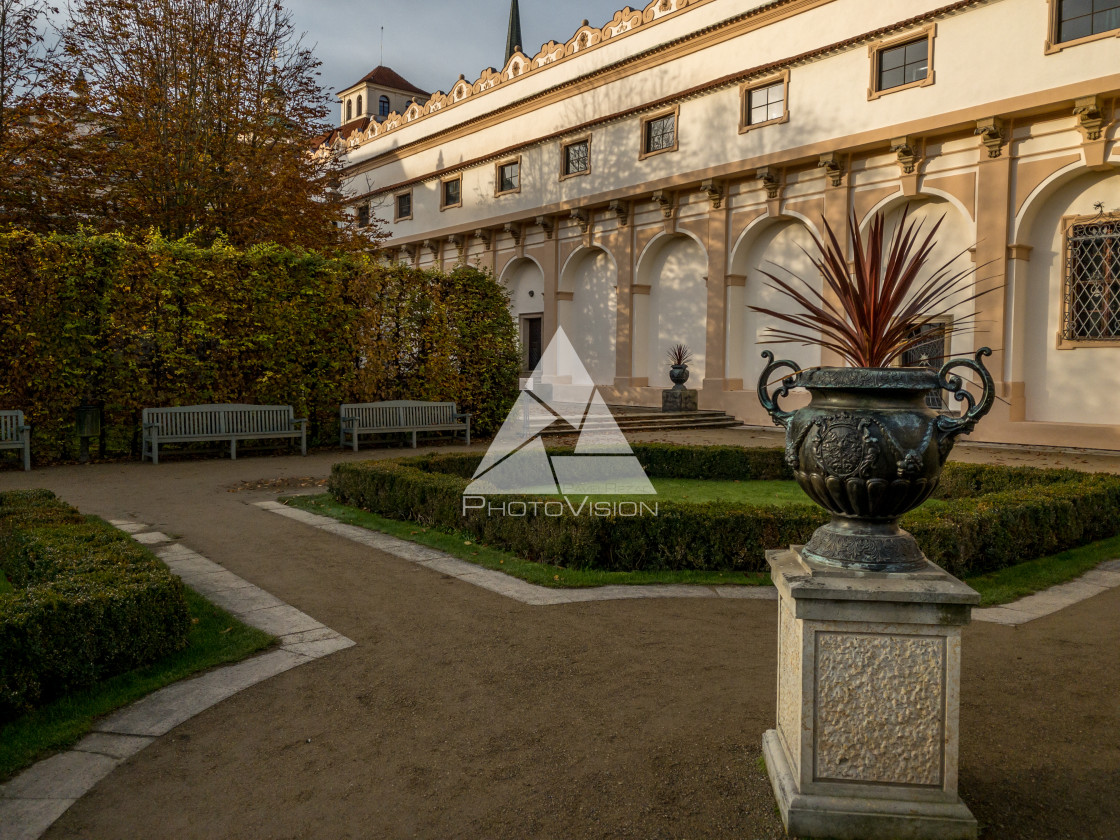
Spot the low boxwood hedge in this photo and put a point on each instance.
(985, 517)
(87, 602)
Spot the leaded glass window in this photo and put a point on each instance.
(509, 176)
(1092, 281)
(576, 158)
(661, 133)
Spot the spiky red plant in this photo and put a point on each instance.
(881, 307)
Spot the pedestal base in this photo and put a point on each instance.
(866, 741)
(855, 818)
(686, 399)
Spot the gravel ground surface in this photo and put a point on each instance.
(463, 714)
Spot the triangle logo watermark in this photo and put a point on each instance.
(560, 389)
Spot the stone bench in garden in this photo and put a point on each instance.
(408, 416)
(16, 434)
(192, 423)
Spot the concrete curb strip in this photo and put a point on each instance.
(1103, 577)
(33, 800)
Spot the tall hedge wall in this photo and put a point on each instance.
(133, 324)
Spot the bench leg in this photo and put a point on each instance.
(233, 450)
(303, 443)
(414, 440)
(155, 452)
(468, 441)
(26, 455)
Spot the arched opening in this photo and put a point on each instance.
(525, 281)
(383, 106)
(360, 111)
(776, 246)
(1044, 359)
(674, 268)
(587, 310)
(349, 110)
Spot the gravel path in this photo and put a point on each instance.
(461, 713)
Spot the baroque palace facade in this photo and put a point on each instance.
(629, 185)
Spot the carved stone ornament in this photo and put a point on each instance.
(714, 191)
(487, 236)
(664, 200)
(547, 224)
(432, 245)
(1090, 117)
(833, 167)
(514, 230)
(458, 242)
(621, 210)
(581, 218)
(990, 132)
(907, 152)
(877, 457)
(771, 180)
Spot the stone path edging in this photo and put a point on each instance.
(34, 799)
(1103, 577)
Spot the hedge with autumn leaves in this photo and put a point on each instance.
(133, 323)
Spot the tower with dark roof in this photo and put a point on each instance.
(379, 92)
(513, 36)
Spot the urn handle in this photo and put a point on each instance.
(770, 401)
(948, 426)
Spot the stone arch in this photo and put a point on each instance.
(524, 278)
(587, 309)
(674, 267)
(1035, 316)
(773, 244)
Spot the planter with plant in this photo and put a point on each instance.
(867, 448)
(679, 398)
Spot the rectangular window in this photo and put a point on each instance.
(659, 133)
(577, 158)
(902, 63)
(509, 176)
(931, 354)
(403, 206)
(1079, 19)
(452, 193)
(363, 215)
(764, 102)
(1091, 295)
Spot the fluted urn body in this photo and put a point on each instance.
(868, 449)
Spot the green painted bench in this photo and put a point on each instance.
(16, 434)
(193, 423)
(395, 416)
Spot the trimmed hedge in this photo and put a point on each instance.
(985, 517)
(88, 602)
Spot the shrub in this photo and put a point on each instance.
(152, 322)
(986, 517)
(88, 602)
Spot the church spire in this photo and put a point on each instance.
(513, 37)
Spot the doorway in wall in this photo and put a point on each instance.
(531, 341)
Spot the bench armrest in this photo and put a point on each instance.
(300, 420)
(151, 425)
(464, 415)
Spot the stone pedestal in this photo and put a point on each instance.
(868, 697)
(686, 399)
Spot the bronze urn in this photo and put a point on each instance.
(868, 449)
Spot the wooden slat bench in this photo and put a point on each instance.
(191, 423)
(15, 434)
(394, 416)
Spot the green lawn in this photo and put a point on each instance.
(995, 588)
(215, 638)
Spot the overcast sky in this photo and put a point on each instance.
(430, 42)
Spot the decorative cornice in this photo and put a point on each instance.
(664, 200)
(582, 218)
(833, 166)
(991, 134)
(714, 190)
(1090, 117)
(446, 135)
(547, 224)
(621, 210)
